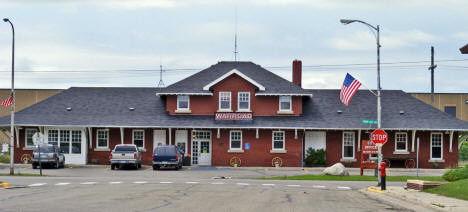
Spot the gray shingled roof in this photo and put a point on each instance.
(108, 107)
(273, 83)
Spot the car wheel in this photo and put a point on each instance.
(156, 167)
(139, 165)
(57, 164)
(112, 166)
(34, 166)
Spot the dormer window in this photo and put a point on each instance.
(183, 102)
(243, 100)
(225, 100)
(285, 103)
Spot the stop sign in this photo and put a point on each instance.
(379, 137)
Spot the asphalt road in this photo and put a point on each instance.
(101, 189)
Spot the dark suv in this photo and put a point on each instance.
(167, 156)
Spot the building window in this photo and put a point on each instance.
(348, 145)
(224, 100)
(76, 141)
(451, 110)
(183, 102)
(243, 101)
(29, 137)
(236, 140)
(64, 141)
(285, 103)
(53, 137)
(139, 138)
(102, 137)
(278, 140)
(401, 142)
(436, 146)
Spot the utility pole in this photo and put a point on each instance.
(432, 67)
(235, 36)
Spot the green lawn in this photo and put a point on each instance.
(457, 189)
(351, 178)
(24, 175)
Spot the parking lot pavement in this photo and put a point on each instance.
(188, 195)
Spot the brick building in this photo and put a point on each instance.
(236, 111)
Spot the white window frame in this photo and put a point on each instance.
(290, 103)
(230, 139)
(133, 137)
(188, 102)
(343, 145)
(406, 142)
(219, 101)
(26, 137)
(238, 101)
(273, 140)
(441, 146)
(97, 138)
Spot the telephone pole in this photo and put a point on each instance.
(432, 67)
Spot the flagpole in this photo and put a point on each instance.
(12, 95)
(362, 84)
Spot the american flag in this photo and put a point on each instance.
(349, 88)
(7, 102)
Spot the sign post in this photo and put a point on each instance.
(379, 138)
(38, 141)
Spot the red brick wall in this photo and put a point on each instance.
(335, 139)
(259, 105)
(259, 152)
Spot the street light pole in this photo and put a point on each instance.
(379, 106)
(12, 133)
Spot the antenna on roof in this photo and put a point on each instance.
(235, 36)
(161, 83)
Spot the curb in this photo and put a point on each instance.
(375, 190)
(5, 185)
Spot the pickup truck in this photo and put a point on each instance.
(167, 156)
(125, 154)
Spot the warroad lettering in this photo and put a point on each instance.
(233, 116)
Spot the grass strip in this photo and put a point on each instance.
(457, 189)
(351, 178)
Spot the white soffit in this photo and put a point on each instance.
(234, 71)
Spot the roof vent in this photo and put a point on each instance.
(69, 108)
(339, 111)
(131, 108)
(402, 112)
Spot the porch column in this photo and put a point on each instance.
(90, 134)
(451, 139)
(413, 140)
(17, 136)
(295, 133)
(121, 135)
(218, 134)
(170, 136)
(256, 133)
(359, 141)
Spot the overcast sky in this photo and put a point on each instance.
(123, 42)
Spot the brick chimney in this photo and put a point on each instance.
(297, 72)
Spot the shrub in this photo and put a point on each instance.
(315, 157)
(5, 158)
(456, 174)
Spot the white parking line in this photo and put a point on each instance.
(88, 183)
(217, 183)
(344, 187)
(268, 184)
(293, 185)
(140, 182)
(191, 182)
(318, 186)
(115, 182)
(60, 184)
(165, 182)
(242, 183)
(37, 184)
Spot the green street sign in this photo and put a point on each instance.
(369, 122)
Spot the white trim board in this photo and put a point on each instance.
(234, 71)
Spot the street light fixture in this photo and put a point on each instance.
(379, 107)
(12, 134)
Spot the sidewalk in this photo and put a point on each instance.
(427, 200)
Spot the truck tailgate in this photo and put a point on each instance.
(123, 155)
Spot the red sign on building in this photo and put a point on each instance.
(379, 137)
(233, 116)
(368, 147)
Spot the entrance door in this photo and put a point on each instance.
(72, 143)
(201, 148)
(159, 138)
(315, 140)
(181, 137)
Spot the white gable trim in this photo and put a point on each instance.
(234, 71)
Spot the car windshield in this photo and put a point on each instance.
(125, 149)
(165, 150)
(45, 149)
